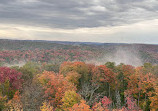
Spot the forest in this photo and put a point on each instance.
(77, 86)
(58, 77)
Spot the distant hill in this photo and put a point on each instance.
(58, 51)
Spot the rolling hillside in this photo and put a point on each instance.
(17, 51)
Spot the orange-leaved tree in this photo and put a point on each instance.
(79, 67)
(55, 87)
(15, 103)
(80, 107)
(105, 78)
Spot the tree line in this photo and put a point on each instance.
(78, 86)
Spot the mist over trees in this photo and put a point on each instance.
(78, 77)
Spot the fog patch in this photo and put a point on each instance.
(120, 54)
(20, 64)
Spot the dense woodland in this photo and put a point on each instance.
(77, 86)
(55, 77)
(17, 52)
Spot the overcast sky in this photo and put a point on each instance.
(117, 21)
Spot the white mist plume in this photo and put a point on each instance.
(127, 55)
(20, 64)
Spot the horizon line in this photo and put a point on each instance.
(40, 40)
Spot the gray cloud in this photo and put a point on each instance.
(77, 13)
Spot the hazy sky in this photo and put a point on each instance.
(125, 21)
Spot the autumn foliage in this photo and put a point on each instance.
(78, 86)
(55, 87)
(10, 82)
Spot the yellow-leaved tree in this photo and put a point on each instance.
(70, 98)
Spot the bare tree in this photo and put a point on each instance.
(118, 99)
(32, 97)
(88, 92)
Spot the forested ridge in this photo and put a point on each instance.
(67, 76)
(21, 51)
